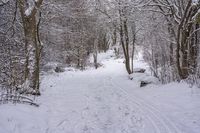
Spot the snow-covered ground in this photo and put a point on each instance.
(105, 101)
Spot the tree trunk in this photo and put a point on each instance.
(124, 43)
(32, 47)
(95, 53)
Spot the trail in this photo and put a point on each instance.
(161, 123)
(102, 101)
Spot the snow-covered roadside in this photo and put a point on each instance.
(105, 101)
(178, 104)
(175, 105)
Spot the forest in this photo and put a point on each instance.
(34, 33)
(42, 38)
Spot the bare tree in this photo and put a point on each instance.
(29, 11)
(121, 14)
(180, 16)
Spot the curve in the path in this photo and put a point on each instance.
(161, 123)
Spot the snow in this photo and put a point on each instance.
(105, 101)
(139, 77)
(103, 56)
(195, 1)
(31, 5)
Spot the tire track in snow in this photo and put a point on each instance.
(109, 83)
(135, 121)
(127, 119)
(167, 124)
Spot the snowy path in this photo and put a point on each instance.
(160, 122)
(100, 110)
(104, 101)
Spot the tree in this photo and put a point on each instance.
(12, 52)
(29, 11)
(180, 17)
(121, 14)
